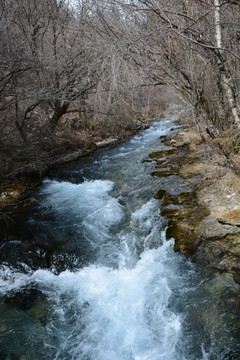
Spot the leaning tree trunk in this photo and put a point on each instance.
(226, 79)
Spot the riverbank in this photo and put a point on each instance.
(30, 165)
(205, 219)
(94, 241)
(204, 212)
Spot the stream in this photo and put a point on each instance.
(109, 286)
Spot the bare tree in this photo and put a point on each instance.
(192, 46)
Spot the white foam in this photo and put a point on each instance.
(104, 314)
(88, 205)
(11, 280)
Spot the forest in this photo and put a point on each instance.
(77, 72)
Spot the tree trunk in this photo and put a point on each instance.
(227, 82)
(18, 126)
(59, 111)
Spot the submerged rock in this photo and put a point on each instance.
(222, 254)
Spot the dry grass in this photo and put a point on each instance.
(187, 136)
(205, 169)
(222, 194)
(230, 183)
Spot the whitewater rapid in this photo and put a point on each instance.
(132, 297)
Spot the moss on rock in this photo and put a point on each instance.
(164, 173)
(160, 194)
(186, 239)
(161, 153)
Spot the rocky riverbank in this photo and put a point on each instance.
(204, 214)
(202, 205)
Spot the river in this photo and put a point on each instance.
(113, 288)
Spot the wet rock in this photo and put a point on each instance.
(160, 154)
(161, 161)
(24, 335)
(3, 328)
(185, 197)
(168, 200)
(164, 173)
(146, 161)
(185, 236)
(184, 221)
(23, 299)
(187, 212)
(170, 213)
(16, 253)
(222, 254)
(163, 166)
(224, 292)
(160, 194)
(39, 310)
(182, 198)
(162, 137)
(200, 218)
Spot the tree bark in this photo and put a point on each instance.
(227, 83)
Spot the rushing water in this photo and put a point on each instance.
(115, 289)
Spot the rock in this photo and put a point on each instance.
(161, 193)
(200, 219)
(3, 328)
(160, 154)
(12, 192)
(9, 195)
(146, 161)
(106, 142)
(186, 239)
(164, 173)
(211, 228)
(231, 218)
(168, 200)
(162, 137)
(182, 198)
(222, 254)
